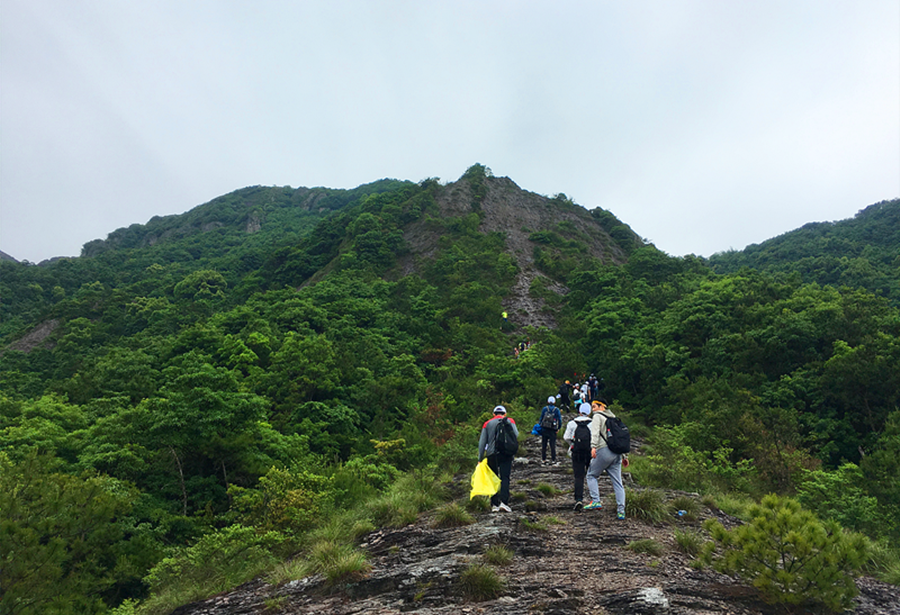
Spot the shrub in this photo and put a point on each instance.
(673, 463)
(689, 541)
(647, 504)
(686, 503)
(548, 490)
(480, 503)
(452, 515)
(337, 562)
(480, 582)
(533, 506)
(647, 545)
(288, 501)
(884, 562)
(498, 555)
(840, 495)
(790, 555)
(733, 504)
(533, 526)
(215, 563)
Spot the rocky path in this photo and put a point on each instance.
(564, 562)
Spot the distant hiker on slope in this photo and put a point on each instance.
(499, 442)
(564, 395)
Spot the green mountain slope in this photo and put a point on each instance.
(861, 252)
(209, 389)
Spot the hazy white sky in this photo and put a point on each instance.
(705, 125)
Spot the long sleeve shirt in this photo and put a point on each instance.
(598, 428)
(489, 435)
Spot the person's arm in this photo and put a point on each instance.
(482, 443)
(569, 435)
(596, 426)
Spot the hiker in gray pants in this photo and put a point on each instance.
(604, 460)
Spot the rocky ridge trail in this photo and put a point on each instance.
(565, 562)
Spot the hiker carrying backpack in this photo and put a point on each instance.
(578, 435)
(499, 441)
(609, 441)
(617, 437)
(551, 419)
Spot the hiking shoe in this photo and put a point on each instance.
(578, 505)
(495, 509)
(505, 507)
(593, 506)
(620, 516)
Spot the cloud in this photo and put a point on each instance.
(703, 125)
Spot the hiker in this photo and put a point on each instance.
(499, 462)
(603, 460)
(578, 435)
(594, 386)
(564, 395)
(551, 421)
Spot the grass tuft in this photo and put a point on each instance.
(498, 555)
(689, 505)
(533, 526)
(647, 545)
(480, 582)
(689, 542)
(647, 504)
(548, 490)
(452, 515)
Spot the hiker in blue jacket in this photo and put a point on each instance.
(550, 422)
(498, 462)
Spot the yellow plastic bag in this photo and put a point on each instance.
(484, 481)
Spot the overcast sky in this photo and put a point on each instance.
(704, 125)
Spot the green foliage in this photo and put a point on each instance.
(673, 463)
(646, 545)
(548, 490)
(791, 556)
(218, 561)
(689, 505)
(646, 504)
(289, 501)
(860, 252)
(452, 515)
(221, 363)
(689, 542)
(498, 555)
(59, 537)
(337, 561)
(841, 496)
(479, 582)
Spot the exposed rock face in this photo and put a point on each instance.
(517, 213)
(564, 562)
(37, 337)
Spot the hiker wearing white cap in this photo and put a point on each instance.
(551, 421)
(495, 444)
(578, 435)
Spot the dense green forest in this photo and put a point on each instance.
(222, 382)
(862, 252)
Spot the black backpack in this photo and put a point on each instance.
(505, 441)
(617, 437)
(581, 444)
(549, 420)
